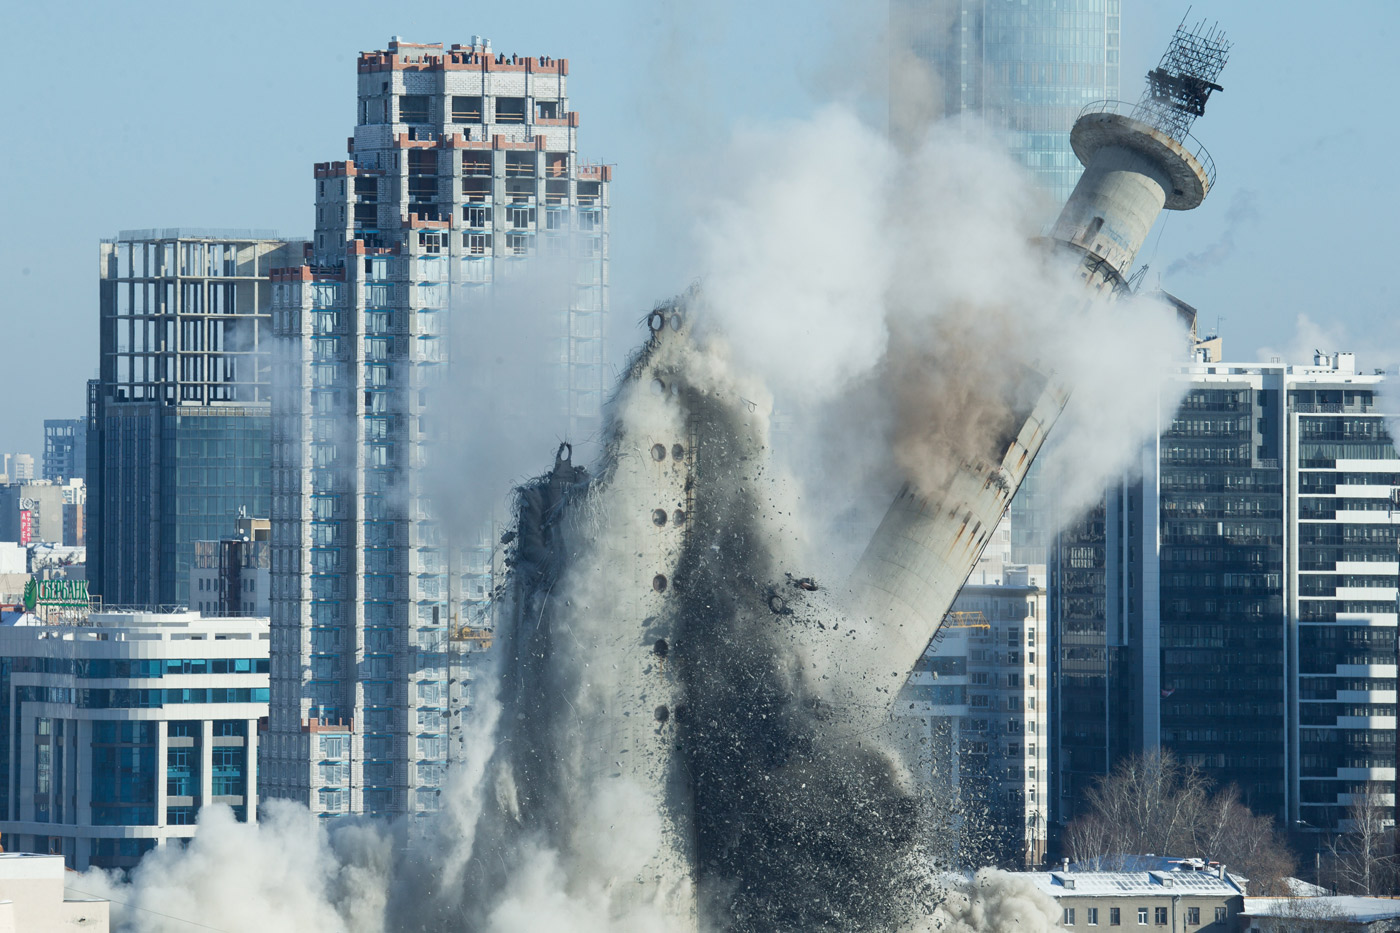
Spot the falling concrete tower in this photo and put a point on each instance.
(1138, 158)
(693, 729)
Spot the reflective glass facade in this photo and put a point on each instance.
(1087, 722)
(179, 420)
(1222, 624)
(1249, 595)
(1029, 66)
(114, 735)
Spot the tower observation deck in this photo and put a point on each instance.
(1139, 159)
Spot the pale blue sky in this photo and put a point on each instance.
(154, 114)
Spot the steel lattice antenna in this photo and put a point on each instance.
(1180, 85)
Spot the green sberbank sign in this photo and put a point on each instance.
(55, 594)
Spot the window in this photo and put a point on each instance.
(1193, 916)
(1142, 916)
(1115, 916)
(1069, 917)
(1091, 916)
(466, 109)
(510, 110)
(413, 108)
(1159, 916)
(1219, 914)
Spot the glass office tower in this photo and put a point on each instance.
(1028, 66)
(179, 420)
(1258, 574)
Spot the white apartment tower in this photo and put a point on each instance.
(463, 172)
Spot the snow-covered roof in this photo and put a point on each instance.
(1132, 883)
(1352, 907)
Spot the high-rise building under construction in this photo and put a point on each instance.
(463, 172)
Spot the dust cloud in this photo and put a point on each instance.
(893, 305)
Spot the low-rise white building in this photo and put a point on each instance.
(32, 899)
(1180, 901)
(114, 731)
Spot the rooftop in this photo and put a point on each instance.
(1132, 883)
(198, 233)
(1353, 907)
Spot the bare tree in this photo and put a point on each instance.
(1363, 855)
(1154, 804)
(1151, 803)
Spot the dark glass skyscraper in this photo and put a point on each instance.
(1220, 688)
(1249, 591)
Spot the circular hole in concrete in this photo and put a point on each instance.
(677, 452)
(662, 714)
(675, 320)
(678, 517)
(658, 583)
(661, 649)
(658, 517)
(658, 452)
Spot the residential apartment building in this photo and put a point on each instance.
(981, 686)
(178, 426)
(1238, 593)
(65, 449)
(116, 728)
(464, 172)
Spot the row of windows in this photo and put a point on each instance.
(138, 668)
(89, 698)
(1159, 916)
